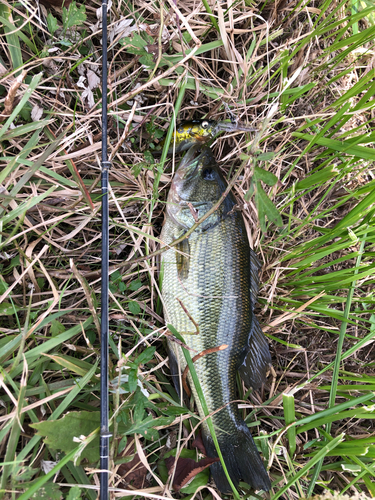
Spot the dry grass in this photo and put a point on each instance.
(50, 246)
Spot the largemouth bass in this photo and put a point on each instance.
(200, 132)
(209, 288)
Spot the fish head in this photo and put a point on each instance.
(197, 185)
(198, 178)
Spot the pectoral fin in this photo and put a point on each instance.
(255, 359)
(183, 259)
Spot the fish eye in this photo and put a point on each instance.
(208, 174)
(205, 124)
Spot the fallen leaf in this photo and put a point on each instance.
(92, 79)
(81, 82)
(198, 443)
(36, 113)
(133, 472)
(47, 465)
(99, 11)
(122, 28)
(87, 93)
(187, 469)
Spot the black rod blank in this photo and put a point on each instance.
(104, 406)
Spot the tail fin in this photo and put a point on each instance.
(241, 458)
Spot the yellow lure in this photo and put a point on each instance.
(199, 132)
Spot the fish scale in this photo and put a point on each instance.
(213, 276)
(207, 294)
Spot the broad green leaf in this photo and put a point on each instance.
(150, 421)
(122, 444)
(261, 211)
(249, 193)
(263, 175)
(145, 356)
(36, 485)
(174, 410)
(49, 491)
(59, 434)
(56, 328)
(133, 380)
(147, 60)
(268, 208)
(134, 307)
(52, 23)
(151, 434)
(74, 493)
(266, 157)
(73, 16)
(65, 403)
(135, 45)
(135, 285)
(201, 479)
(24, 473)
(7, 309)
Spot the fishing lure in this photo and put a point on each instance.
(193, 132)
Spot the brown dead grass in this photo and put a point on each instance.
(61, 235)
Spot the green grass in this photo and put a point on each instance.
(313, 162)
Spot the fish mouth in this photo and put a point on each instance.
(197, 155)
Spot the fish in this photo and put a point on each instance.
(193, 132)
(210, 284)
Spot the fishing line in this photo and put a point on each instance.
(105, 166)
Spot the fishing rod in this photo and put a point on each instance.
(104, 327)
